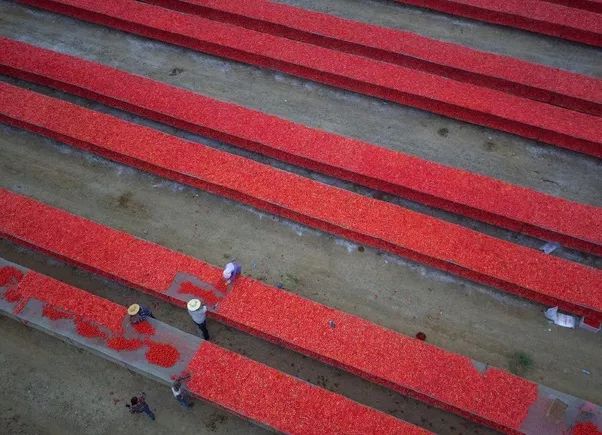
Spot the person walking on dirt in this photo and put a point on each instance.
(181, 395)
(139, 313)
(198, 313)
(231, 272)
(138, 405)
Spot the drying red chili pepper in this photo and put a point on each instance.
(53, 314)
(12, 295)
(10, 276)
(206, 296)
(144, 328)
(164, 355)
(586, 429)
(120, 343)
(86, 329)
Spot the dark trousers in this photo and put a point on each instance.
(146, 409)
(203, 328)
(184, 400)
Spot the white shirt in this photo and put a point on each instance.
(199, 315)
(228, 270)
(175, 392)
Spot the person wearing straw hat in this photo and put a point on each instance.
(198, 313)
(139, 313)
(231, 271)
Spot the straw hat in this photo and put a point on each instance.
(194, 304)
(133, 309)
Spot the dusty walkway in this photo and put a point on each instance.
(457, 315)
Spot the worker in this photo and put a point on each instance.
(138, 405)
(198, 312)
(139, 313)
(181, 395)
(231, 271)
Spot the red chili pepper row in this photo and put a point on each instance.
(411, 50)
(457, 100)
(236, 383)
(531, 15)
(88, 312)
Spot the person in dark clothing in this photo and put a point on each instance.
(139, 313)
(179, 392)
(138, 405)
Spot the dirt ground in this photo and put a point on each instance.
(50, 387)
